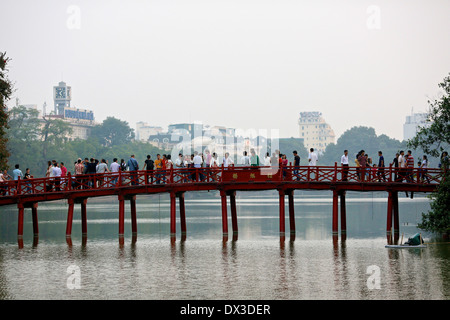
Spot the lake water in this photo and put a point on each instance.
(203, 267)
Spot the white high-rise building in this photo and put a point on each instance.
(412, 124)
(314, 131)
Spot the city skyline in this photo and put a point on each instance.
(236, 64)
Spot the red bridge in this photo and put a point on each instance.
(127, 185)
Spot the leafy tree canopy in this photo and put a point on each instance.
(113, 132)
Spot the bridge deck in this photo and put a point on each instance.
(227, 179)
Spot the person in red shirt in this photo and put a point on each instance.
(410, 167)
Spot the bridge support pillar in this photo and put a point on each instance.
(282, 215)
(396, 216)
(392, 214)
(223, 197)
(234, 221)
(335, 213)
(133, 216)
(180, 196)
(343, 215)
(20, 225)
(290, 194)
(34, 215)
(71, 204)
(83, 217)
(173, 216)
(121, 218)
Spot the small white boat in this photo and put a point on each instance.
(403, 246)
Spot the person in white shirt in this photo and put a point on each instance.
(267, 161)
(214, 161)
(312, 158)
(245, 159)
(56, 173)
(227, 161)
(114, 168)
(402, 166)
(4, 176)
(197, 160)
(179, 163)
(344, 163)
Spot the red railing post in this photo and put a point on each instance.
(335, 172)
(18, 186)
(69, 182)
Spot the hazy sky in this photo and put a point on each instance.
(242, 64)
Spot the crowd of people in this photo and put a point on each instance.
(160, 167)
(402, 163)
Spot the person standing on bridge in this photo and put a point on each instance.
(198, 161)
(114, 169)
(17, 173)
(158, 168)
(245, 160)
(344, 164)
(133, 166)
(254, 158)
(4, 176)
(149, 164)
(57, 176)
(381, 167)
(395, 163)
(402, 166)
(296, 164)
(410, 167)
(227, 161)
(312, 158)
(362, 160)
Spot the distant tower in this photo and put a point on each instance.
(61, 95)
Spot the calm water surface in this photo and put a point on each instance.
(256, 266)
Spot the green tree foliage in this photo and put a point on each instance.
(361, 138)
(434, 139)
(113, 132)
(287, 145)
(438, 218)
(5, 94)
(33, 142)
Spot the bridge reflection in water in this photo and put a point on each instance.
(127, 185)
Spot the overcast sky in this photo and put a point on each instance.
(243, 64)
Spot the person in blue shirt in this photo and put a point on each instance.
(133, 166)
(17, 173)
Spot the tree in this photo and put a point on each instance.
(361, 138)
(113, 132)
(54, 133)
(438, 218)
(6, 89)
(436, 137)
(24, 133)
(433, 140)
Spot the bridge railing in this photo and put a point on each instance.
(221, 174)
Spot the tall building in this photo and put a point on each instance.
(62, 94)
(316, 133)
(412, 124)
(144, 131)
(81, 120)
